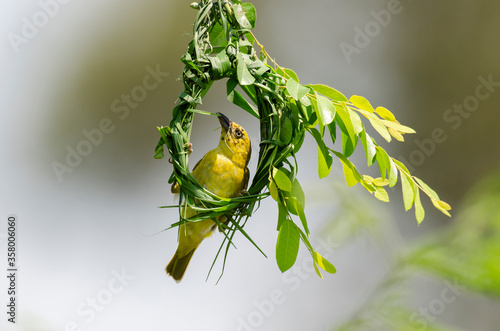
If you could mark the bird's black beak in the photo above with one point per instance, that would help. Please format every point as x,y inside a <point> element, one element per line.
<point>224,121</point>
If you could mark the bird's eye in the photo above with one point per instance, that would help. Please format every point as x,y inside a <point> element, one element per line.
<point>238,133</point>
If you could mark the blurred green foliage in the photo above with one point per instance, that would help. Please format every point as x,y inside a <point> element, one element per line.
<point>466,254</point>
<point>470,250</point>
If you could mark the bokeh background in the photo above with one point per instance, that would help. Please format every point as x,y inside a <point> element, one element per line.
<point>92,254</point>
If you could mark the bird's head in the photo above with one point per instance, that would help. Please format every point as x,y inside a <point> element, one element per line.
<point>234,141</point>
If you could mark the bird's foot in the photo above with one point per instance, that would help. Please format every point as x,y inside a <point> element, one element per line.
<point>189,148</point>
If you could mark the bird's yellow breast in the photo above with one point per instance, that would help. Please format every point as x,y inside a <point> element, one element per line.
<point>219,174</point>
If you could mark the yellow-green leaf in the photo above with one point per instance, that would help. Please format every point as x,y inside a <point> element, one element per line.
<point>350,178</point>
<point>427,190</point>
<point>419,210</point>
<point>408,191</point>
<point>385,114</point>
<point>317,270</point>
<point>282,181</point>
<point>297,193</point>
<point>398,136</point>
<point>325,162</point>
<point>273,190</point>
<point>398,127</point>
<point>369,147</point>
<point>325,159</point>
<point>381,194</point>
<point>442,206</point>
<point>361,103</point>
<point>380,182</point>
<point>356,121</point>
<point>323,263</point>
<point>392,173</point>
<point>381,128</point>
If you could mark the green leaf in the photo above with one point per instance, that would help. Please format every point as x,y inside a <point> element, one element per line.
<point>236,98</point>
<point>383,161</point>
<point>326,110</point>
<point>298,141</point>
<point>349,138</point>
<point>273,190</point>
<point>290,73</point>
<point>287,246</point>
<point>332,128</point>
<point>350,172</point>
<point>307,111</point>
<point>221,65</point>
<point>329,92</point>
<point>245,16</point>
<point>297,193</point>
<point>305,240</point>
<point>357,125</point>
<point>325,160</point>
<point>402,166</point>
<point>419,210</point>
<point>370,150</point>
<point>244,76</point>
<point>218,36</point>
<point>282,214</point>
<point>250,13</point>
<point>159,151</point>
<point>408,190</point>
<point>286,132</point>
<point>393,173</point>
<point>323,263</point>
<point>292,203</point>
<point>350,178</point>
<point>361,103</point>
<point>367,182</point>
<point>427,190</point>
<point>296,90</point>
<point>317,270</point>
<point>282,180</point>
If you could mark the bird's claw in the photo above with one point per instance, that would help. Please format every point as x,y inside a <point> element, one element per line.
<point>189,148</point>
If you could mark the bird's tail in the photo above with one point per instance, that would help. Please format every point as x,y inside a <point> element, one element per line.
<point>177,266</point>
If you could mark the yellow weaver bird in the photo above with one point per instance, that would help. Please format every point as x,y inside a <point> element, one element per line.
<point>222,171</point>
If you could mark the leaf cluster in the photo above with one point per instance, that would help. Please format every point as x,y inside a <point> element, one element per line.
<point>223,47</point>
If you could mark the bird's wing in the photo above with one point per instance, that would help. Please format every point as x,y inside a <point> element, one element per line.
<point>246,177</point>
<point>197,164</point>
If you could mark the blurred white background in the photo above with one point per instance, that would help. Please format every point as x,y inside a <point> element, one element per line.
<point>91,257</point>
